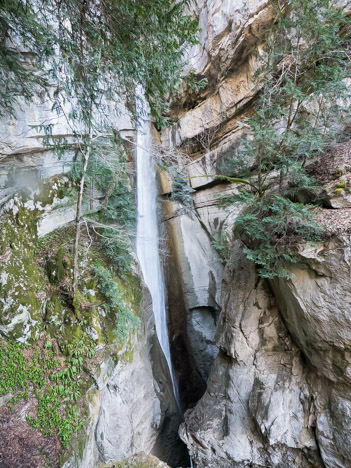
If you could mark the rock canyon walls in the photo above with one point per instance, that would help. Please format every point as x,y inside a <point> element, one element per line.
<point>262,366</point>
<point>278,391</point>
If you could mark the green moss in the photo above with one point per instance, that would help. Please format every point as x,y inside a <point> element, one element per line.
<point>132,290</point>
<point>70,333</point>
<point>60,269</point>
<point>55,383</point>
<point>128,356</point>
<point>57,187</point>
<point>43,292</point>
<point>78,302</point>
<point>22,280</point>
<point>116,304</point>
<point>53,308</point>
<point>91,283</point>
<point>342,184</point>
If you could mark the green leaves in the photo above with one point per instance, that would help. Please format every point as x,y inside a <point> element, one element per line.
<point>272,228</point>
<point>300,110</point>
<point>21,72</point>
<point>93,51</point>
<point>126,322</point>
<point>25,371</point>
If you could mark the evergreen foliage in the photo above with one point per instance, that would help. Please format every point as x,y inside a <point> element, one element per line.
<point>271,227</point>
<point>111,175</point>
<point>24,47</point>
<point>99,53</point>
<point>95,52</point>
<point>221,243</point>
<point>181,189</point>
<point>126,321</point>
<point>302,92</point>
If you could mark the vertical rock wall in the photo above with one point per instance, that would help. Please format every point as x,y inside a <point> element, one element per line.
<point>128,404</point>
<point>278,392</point>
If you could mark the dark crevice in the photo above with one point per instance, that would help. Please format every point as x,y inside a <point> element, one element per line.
<point>314,430</point>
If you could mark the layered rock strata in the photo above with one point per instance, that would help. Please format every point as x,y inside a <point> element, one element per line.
<point>278,392</point>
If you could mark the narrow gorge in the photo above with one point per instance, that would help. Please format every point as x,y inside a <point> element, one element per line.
<point>207,320</point>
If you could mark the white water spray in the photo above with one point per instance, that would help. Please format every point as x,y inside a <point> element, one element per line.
<point>148,233</point>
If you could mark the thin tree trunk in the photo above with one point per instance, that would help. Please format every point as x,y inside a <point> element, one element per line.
<point>79,208</point>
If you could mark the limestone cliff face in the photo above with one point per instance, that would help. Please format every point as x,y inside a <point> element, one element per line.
<point>208,127</point>
<point>278,391</point>
<point>263,367</point>
<point>257,410</point>
<point>126,403</point>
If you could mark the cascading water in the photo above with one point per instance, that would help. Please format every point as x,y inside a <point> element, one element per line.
<point>147,230</point>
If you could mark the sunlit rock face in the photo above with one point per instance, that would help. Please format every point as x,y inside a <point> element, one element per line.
<point>278,392</point>
<point>315,305</point>
<point>263,368</point>
<point>207,128</point>
<point>231,32</point>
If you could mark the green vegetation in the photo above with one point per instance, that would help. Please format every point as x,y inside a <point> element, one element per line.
<point>17,75</point>
<point>86,59</point>
<point>126,322</point>
<point>117,217</point>
<point>38,308</point>
<point>300,108</point>
<point>194,83</point>
<point>107,304</point>
<point>98,54</point>
<point>273,227</point>
<point>222,245</point>
<point>181,189</point>
<point>54,382</point>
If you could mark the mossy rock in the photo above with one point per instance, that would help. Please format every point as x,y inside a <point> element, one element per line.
<point>22,282</point>
<point>57,187</point>
<point>140,460</point>
<point>60,269</point>
<point>55,268</point>
<point>342,184</point>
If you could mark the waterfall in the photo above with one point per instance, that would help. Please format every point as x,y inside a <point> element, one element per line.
<point>148,232</point>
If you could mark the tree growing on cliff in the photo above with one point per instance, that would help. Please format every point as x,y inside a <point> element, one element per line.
<point>300,108</point>
<point>101,51</point>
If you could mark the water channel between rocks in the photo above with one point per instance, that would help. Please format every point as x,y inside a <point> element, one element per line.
<point>148,234</point>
